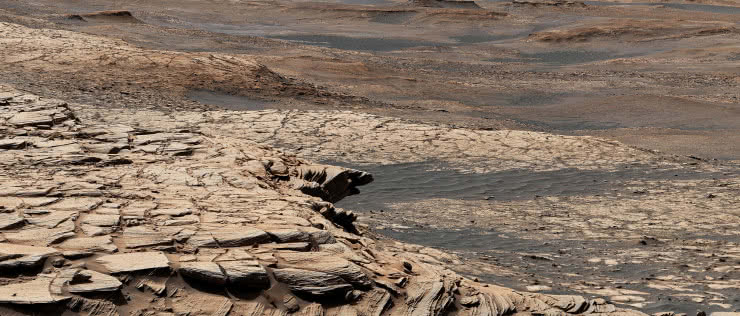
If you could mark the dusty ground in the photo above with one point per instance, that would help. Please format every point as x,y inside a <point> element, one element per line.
<point>560,147</point>
<point>660,77</point>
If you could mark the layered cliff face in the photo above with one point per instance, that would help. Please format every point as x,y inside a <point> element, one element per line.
<point>106,218</point>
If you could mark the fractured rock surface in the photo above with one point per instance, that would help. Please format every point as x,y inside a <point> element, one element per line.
<point>180,201</point>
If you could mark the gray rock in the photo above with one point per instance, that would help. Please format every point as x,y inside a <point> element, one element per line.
<point>207,272</point>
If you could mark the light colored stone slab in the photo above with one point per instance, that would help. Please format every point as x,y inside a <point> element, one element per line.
<point>135,261</point>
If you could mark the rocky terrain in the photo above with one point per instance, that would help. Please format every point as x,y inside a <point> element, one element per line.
<point>204,157</point>
<point>164,218</point>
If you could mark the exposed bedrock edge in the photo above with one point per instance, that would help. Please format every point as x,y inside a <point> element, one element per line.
<point>210,209</point>
<point>331,184</point>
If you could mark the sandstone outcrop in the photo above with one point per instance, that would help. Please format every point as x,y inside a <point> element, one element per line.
<point>176,208</point>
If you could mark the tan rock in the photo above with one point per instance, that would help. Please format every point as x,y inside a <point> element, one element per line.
<point>31,292</point>
<point>134,261</point>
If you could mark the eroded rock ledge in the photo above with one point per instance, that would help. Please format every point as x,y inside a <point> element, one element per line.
<point>104,219</point>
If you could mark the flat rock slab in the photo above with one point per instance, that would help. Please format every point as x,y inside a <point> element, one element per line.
<point>41,236</point>
<point>14,256</point>
<point>31,118</point>
<point>32,292</point>
<point>140,236</point>
<point>101,243</point>
<point>91,230</point>
<point>102,220</point>
<point>312,283</point>
<point>301,234</point>
<point>94,282</point>
<point>7,248</point>
<point>246,273</point>
<point>53,219</point>
<point>208,272</point>
<point>9,220</point>
<point>239,238</point>
<point>326,263</point>
<point>135,261</point>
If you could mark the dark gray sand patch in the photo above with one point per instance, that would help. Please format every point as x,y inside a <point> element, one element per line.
<point>366,2</point>
<point>680,6</point>
<point>573,124</point>
<point>563,57</point>
<point>529,98</point>
<point>560,260</point>
<point>583,112</point>
<point>419,181</point>
<point>568,57</point>
<point>475,38</point>
<point>227,101</point>
<point>566,261</point>
<point>393,17</point>
<point>545,61</point>
<point>376,44</point>
<point>511,60</point>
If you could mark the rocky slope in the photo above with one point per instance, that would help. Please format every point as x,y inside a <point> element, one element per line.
<point>100,218</point>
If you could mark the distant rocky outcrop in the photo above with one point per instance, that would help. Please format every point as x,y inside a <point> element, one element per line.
<point>545,3</point>
<point>452,4</point>
<point>117,16</point>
